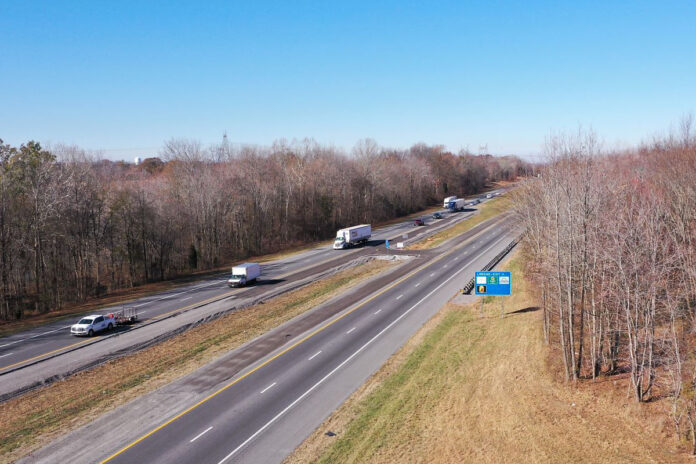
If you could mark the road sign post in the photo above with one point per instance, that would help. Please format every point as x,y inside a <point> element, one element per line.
<point>497,283</point>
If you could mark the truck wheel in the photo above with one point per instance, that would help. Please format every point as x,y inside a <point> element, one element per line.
<point>110,327</point>
<point>90,333</point>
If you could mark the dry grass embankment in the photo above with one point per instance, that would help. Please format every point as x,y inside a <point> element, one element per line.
<point>486,211</point>
<point>31,421</point>
<point>471,389</point>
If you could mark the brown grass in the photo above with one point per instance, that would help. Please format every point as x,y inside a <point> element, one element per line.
<point>31,421</point>
<point>480,390</point>
<point>487,210</point>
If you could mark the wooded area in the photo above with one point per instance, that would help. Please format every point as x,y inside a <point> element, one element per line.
<point>74,227</point>
<point>611,246</point>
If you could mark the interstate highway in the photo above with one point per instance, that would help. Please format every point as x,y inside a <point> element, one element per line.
<point>32,346</point>
<point>263,412</point>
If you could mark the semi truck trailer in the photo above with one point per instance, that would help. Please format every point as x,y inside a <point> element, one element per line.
<point>455,204</point>
<point>352,236</point>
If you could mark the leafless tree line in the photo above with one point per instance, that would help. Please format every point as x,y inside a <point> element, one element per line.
<point>73,227</point>
<point>611,247</point>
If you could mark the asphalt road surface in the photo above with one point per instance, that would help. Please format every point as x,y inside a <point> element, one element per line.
<point>263,412</point>
<point>33,346</point>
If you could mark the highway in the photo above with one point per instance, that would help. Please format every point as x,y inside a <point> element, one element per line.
<point>30,347</point>
<point>262,412</point>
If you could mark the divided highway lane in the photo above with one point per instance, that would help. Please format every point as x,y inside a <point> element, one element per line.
<point>262,414</point>
<point>28,347</point>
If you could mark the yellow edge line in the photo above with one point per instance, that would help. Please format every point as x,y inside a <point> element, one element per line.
<point>160,316</point>
<point>44,354</point>
<point>277,355</point>
<point>184,308</point>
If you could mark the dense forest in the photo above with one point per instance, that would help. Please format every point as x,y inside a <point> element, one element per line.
<point>73,226</point>
<point>611,245</point>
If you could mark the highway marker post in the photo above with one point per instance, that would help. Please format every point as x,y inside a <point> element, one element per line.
<point>494,283</point>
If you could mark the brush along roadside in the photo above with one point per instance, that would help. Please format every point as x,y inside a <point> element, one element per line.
<point>472,389</point>
<point>34,419</point>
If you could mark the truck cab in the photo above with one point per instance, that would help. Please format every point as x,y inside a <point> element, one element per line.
<point>339,243</point>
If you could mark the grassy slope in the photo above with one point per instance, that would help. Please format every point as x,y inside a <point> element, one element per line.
<point>468,389</point>
<point>487,210</point>
<point>33,419</point>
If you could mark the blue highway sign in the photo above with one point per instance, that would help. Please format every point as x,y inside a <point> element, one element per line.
<point>493,283</point>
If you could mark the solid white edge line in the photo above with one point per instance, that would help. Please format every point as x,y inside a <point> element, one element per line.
<point>201,434</point>
<point>268,387</point>
<point>348,359</point>
<point>314,355</point>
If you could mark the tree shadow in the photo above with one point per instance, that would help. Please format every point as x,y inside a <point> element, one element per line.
<point>528,309</point>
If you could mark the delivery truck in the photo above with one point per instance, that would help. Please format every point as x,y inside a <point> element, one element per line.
<point>352,236</point>
<point>243,274</point>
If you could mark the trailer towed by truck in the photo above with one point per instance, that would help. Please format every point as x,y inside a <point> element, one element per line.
<point>95,323</point>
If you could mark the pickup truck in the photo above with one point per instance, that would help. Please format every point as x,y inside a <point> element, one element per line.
<point>89,325</point>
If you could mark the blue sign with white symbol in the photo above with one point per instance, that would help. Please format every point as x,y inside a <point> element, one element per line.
<point>493,283</point>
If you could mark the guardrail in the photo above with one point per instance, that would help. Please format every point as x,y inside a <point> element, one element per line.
<point>491,264</point>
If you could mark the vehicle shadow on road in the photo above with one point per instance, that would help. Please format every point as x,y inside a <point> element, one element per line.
<point>258,283</point>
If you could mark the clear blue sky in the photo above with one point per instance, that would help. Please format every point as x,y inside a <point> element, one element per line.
<point>125,76</point>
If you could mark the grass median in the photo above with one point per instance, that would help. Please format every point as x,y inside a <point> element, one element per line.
<point>32,420</point>
<point>481,390</point>
<point>486,211</point>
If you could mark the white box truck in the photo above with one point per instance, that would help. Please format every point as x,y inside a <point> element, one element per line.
<point>351,236</point>
<point>243,274</point>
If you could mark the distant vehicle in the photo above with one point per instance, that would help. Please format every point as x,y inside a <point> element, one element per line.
<point>447,201</point>
<point>243,274</point>
<point>352,236</point>
<point>457,204</point>
<point>90,325</point>
<point>437,215</point>
<point>490,195</point>
<point>418,222</point>
<point>475,201</point>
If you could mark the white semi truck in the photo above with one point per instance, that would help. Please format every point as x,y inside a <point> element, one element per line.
<point>454,203</point>
<point>243,274</point>
<point>446,203</point>
<point>352,236</point>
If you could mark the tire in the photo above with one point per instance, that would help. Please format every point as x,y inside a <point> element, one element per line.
<point>90,333</point>
<point>110,327</point>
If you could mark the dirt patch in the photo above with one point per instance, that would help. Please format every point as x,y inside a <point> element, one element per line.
<point>33,420</point>
<point>478,389</point>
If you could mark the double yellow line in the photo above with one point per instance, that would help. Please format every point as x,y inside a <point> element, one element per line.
<point>302,340</point>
